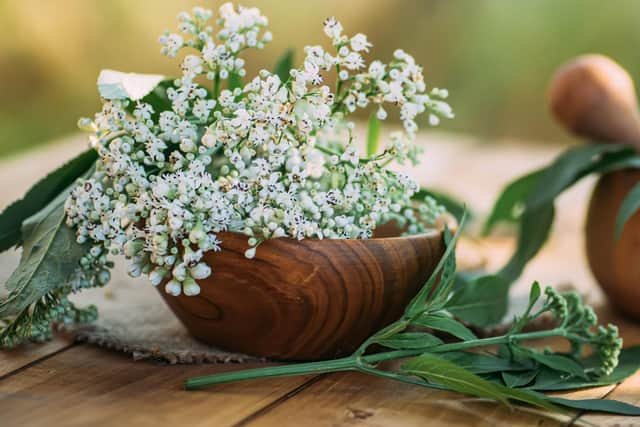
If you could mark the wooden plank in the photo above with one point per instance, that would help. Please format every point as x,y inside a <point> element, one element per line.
<point>347,399</point>
<point>629,390</point>
<point>22,356</point>
<point>90,386</point>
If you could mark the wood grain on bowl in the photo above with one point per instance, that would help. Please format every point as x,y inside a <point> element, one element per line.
<point>305,300</point>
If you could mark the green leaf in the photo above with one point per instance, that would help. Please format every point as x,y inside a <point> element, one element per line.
<point>482,301</point>
<point>535,227</point>
<point>235,80</point>
<point>373,135</point>
<point>410,340</point>
<point>628,364</point>
<point>284,65</point>
<point>443,323</point>
<point>568,168</point>
<point>518,379</point>
<point>483,363</point>
<point>454,206</point>
<point>534,294</point>
<point>530,199</point>
<point>445,268</point>
<point>117,85</point>
<point>511,199</point>
<point>559,363</point>
<point>50,257</point>
<point>39,196</point>
<point>443,372</point>
<point>597,405</point>
<point>629,207</point>
<point>157,98</point>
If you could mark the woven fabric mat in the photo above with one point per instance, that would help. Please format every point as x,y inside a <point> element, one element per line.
<point>134,319</point>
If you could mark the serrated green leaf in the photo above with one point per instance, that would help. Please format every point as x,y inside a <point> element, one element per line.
<point>284,65</point>
<point>118,85</point>
<point>373,135</point>
<point>39,196</point>
<point>440,322</point>
<point>630,206</point>
<point>410,340</point>
<point>50,257</point>
<point>443,372</point>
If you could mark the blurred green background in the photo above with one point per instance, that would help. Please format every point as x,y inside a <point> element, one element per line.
<point>495,57</point>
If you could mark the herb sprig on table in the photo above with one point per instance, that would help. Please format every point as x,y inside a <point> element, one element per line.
<point>502,368</point>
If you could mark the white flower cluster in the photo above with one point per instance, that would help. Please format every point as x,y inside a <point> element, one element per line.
<point>268,159</point>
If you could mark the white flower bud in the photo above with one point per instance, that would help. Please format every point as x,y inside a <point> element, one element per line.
<point>173,287</point>
<point>250,253</point>
<point>190,287</point>
<point>179,272</point>
<point>157,275</point>
<point>200,271</point>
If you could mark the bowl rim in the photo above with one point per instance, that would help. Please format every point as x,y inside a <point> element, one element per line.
<point>428,234</point>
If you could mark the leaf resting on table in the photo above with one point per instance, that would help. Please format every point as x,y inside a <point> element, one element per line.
<point>454,377</point>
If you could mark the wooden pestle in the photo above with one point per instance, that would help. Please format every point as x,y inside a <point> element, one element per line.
<point>594,97</point>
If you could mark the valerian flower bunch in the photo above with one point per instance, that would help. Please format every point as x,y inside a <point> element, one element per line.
<point>271,158</point>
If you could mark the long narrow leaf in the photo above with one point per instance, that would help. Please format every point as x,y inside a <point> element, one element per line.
<point>284,65</point>
<point>512,197</point>
<point>629,207</point>
<point>441,371</point>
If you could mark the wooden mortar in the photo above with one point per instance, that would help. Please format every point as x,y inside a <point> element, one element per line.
<point>594,97</point>
<point>308,299</point>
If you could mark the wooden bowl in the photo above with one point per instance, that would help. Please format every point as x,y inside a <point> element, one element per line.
<point>308,299</point>
<point>615,263</point>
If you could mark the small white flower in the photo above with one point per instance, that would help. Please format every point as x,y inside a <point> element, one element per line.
<point>359,43</point>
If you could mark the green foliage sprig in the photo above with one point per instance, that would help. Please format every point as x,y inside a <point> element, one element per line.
<point>528,202</point>
<point>507,370</point>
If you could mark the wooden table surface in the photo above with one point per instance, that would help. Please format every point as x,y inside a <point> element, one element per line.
<point>65,383</point>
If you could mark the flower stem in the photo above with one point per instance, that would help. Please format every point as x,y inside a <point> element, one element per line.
<point>356,362</point>
<point>337,365</point>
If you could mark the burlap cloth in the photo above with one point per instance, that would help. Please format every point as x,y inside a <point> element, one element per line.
<point>134,319</point>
